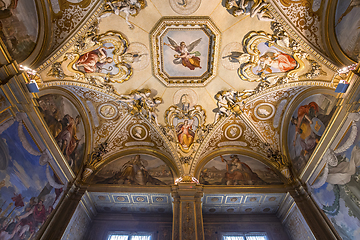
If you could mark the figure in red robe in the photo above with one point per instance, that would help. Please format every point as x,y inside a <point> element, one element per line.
<point>93,61</point>
<point>278,60</point>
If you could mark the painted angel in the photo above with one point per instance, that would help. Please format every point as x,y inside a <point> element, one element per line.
<point>184,55</point>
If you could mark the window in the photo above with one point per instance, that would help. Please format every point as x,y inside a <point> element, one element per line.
<point>245,236</point>
<point>129,236</point>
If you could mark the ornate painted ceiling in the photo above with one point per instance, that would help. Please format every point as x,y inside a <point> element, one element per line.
<point>143,92</point>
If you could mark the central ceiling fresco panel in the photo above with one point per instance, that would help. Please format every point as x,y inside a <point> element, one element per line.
<point>185,50</point>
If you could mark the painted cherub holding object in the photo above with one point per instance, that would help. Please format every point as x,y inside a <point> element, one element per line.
<point>185,55</point>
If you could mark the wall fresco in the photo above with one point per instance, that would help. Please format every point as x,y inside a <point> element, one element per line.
<point>306,127</point>
<point>347,29</point>
<point>66,126</point>
<point>135,170</point>
<point>337,189</point>
<point>19,27</point>
<point>29,190</point>
<point>237,170</point>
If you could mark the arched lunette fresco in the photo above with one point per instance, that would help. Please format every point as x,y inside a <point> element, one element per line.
<point>141,168</point>
<point>236,167</point>
<point>308,120</point>
<point>68,124</point>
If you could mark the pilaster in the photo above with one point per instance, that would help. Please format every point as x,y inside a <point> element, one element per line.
<point>187,212</point>
<point>64,213</point>
<point>315,219</point>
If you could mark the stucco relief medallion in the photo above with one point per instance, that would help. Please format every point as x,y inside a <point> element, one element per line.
<point>233,132</point>
<point>107,111</point>
<point>138,132</point>
<point>264,111</point>
<point>137,55</point>
<point>185,7</point>
<point>185,99</point>
<point>230,57</point>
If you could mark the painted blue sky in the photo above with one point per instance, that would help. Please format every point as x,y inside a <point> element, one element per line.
<point>23,175</point>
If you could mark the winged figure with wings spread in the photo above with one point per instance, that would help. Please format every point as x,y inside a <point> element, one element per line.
<point>185,55</point>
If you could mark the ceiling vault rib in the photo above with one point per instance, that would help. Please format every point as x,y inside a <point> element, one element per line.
<point>119,127</point>
<point>280,17</point>
<point>252,127</point>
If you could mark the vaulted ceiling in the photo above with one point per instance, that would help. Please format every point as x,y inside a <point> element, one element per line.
<point>230,89</point>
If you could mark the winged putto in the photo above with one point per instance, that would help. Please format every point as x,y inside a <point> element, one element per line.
<point>185,54</point>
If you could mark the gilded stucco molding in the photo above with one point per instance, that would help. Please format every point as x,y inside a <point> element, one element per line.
<point>68,18</point>
<point>77,84</point>
<point>247,140</point>
<point>167,35</point>
<point>68,42</point>
<point>308,46</point>
<point>290,85</point>
<point>122,138</point>
<point>177,119</point>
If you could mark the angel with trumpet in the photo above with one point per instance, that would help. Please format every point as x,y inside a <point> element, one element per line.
<point>184,55</point>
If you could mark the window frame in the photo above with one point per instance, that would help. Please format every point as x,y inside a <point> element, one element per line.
<point>243,234</point>
<point>130,234</point>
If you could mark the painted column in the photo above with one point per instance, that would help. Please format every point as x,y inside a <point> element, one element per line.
<point>187,212</point>
<point>315,219</point>
<point>64,213</point>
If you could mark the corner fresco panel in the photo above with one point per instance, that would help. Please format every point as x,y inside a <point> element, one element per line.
<point>237,170</point>
<point>66,126</point>
<point>19,27</point>
<point>135,170</point>
<point>337,190</point>
<point>306,127</point>
<point>29,189</point>
<point>347,22</point>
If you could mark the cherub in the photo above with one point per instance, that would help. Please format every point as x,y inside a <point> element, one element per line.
<point>118,6</point>
<point>151,106</point>
<point>185,56</point>
<point>223,106</point>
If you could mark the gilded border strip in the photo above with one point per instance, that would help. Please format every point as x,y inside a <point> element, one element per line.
<point>308,46</point>
<point>70,42</point>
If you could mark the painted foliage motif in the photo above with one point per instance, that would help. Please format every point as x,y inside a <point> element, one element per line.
<point>135,170</point>
<point>337,191</point>
<point>66,126</point>
<point>347,27</point>
<point>29,189</point>
<point>237,170</point>
<point>19,27</point>
<point>306,127</point>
